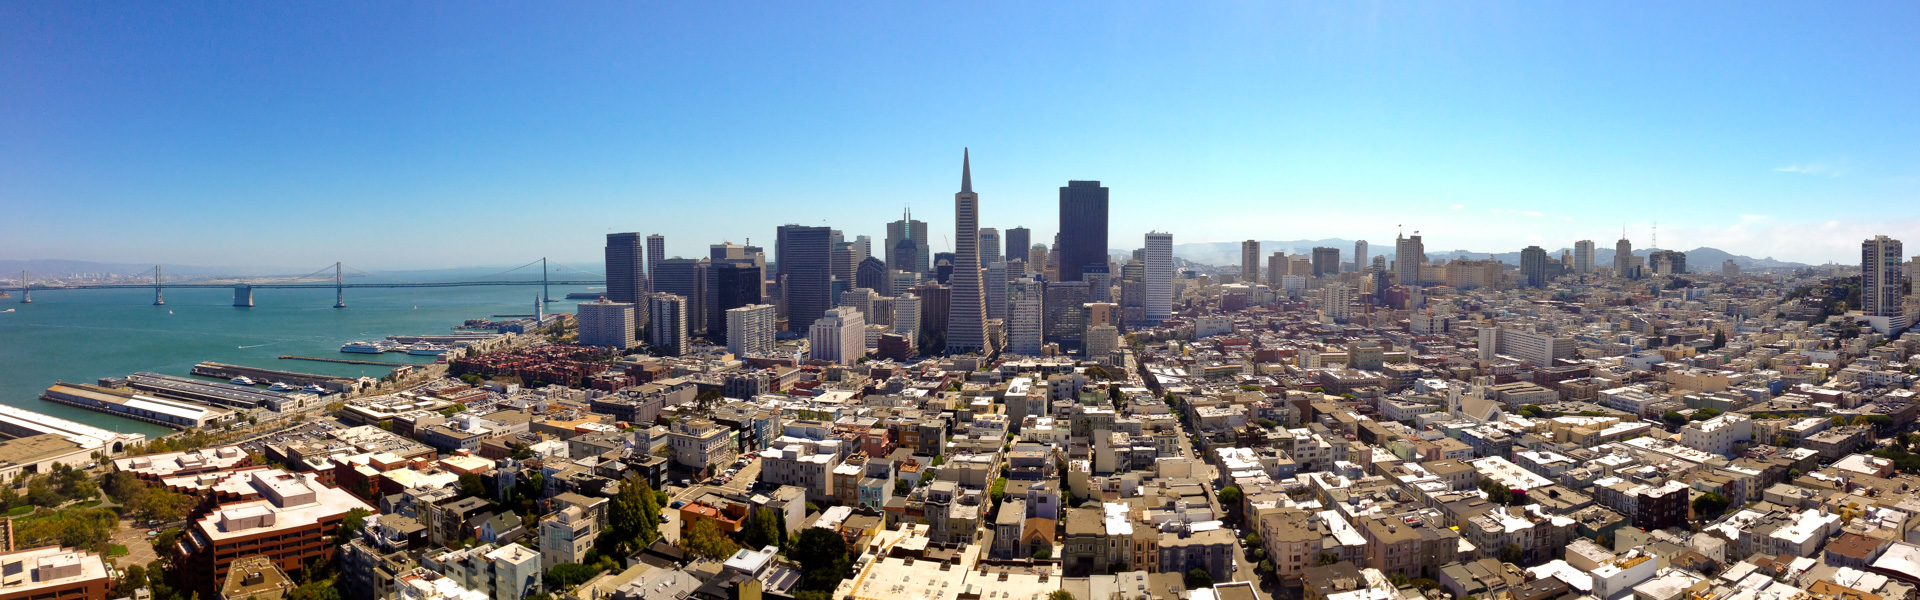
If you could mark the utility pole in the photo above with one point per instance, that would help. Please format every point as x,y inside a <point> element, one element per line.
<point>339,290</point>
<point>158,300</point>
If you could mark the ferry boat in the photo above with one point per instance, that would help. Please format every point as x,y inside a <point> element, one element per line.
<point>314,388</point>
<point>362,348</point>
<point>281,387</point>
<point>241,380</point>
<point>426,349</point>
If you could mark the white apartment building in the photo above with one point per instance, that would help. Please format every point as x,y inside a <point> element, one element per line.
<point>604,323</point>
<point>566,535</point>
<point>839,335</point>
<point>750,328</point>
<point>1718,434</point>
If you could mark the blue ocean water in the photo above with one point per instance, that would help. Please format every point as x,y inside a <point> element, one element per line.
<point>83,335</point>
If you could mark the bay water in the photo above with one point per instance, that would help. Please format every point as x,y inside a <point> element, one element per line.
<point>84,335</point>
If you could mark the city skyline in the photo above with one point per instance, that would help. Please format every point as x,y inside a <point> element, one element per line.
<point>1489,129</point>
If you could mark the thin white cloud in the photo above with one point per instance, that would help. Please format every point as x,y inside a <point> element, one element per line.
<point>1533,213</point>
<point>1459,206</point>
<point>1819,168</point>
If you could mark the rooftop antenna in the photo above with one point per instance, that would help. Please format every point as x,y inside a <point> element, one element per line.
<point>1656,234</point>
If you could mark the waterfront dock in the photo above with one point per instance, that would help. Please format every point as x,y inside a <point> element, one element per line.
<point>225,371</point>
<point>345,361</point>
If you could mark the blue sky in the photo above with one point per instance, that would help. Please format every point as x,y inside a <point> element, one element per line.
<point>414,135</point>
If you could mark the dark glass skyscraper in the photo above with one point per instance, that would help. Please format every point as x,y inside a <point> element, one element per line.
<point>1533,267</point>
<point>807,273</point>
<point>1083,228</point>
<point>627,273</point>
<point>1019,242</point>
<point>731,284</point>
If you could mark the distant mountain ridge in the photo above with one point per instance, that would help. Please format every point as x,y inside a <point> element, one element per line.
<point>1228,253</point>
<point>10,269</point>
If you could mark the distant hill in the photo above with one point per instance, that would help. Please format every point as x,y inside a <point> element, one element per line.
<point>1228,253</point>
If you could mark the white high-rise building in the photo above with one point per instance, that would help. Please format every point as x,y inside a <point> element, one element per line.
<point>989,245</point>
<point>750,329</point>
<point>1159,277</point>
<point>1360,255</point>
<point>604,323</point>
<point>1623,257</point>
<point>1336,302</point>
<point>906,317</point>
<point>967,310</point>
<point>839,336</point>
<point>1583,257</point>
<point>1024,309</point>
<point>668,334</point>
<point>1882,277</point>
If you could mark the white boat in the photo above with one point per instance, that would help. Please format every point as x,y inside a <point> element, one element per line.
<point>362,348</point>
<point>426,349</point>
<point>314,388</point>
<point>281,387</point>
<point>242,380</point>
<point>7,310</point>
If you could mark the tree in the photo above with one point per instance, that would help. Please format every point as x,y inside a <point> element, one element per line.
<point>999,489</point>
<point>1512,554</point>
<point>1719,340</point>
<point>705,539</point>
<point>472,486</point>
<point>1328,558</point>
<point>762,529</point>
<point>135,578</point>
<point>1060,595</point>
<point>564,576</point>
<point>1043,553</point>
<point>351,525</point>
<point>1709,504</point>
<point>633,518</point>
<point>1229,498</point>
<point>1198,578</point>
<point>1266,423</point>
<point>1674,418</point>
<point>823,557</point>
<point>453,410</point>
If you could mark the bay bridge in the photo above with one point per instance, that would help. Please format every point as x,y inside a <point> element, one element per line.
<point>243,291</point>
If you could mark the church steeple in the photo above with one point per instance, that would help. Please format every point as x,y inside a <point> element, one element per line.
<point>966,172</point>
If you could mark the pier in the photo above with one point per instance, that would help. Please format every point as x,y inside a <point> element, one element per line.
<point>346,361</point>
<point>225,371</point>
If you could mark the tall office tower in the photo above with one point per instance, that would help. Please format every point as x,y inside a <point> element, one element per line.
<point>626,269</point>
<point>1019,242</point>
<point>1533,267</point>
<point>1099,284</point>
<point>1065,316</point>
<point>1083,228</point>
<point>1380,283</point>
<point>1326,262</point>
<point>839,335</point>
<point>1731,269</point>
<point>1360,255</point>
<point>731,284</point>
<point>1025,336</point>
<point>913,233</point>
<point>1038,258</point>
<point>934,302</point>
<point>1409,254</point>
<point>1583,257</point>
<point>750,329</point>
<point>807,278</point>
<point>841,261</point>
<point>967,316</point>
<point>604,323</point>
<point>1881,277</point>
<point>668,336</point>
<point>874,275</point>
<point>996,283</point>
<point>989,245</point>
<point>906,317</point>
<point>1133,294</point>
<point>656,249</point>
<point>1102,342</point>
<point>1250,262</point>
<point>1159,277</point>
<point>1622,257</point>
<point>860,299</point>
<point>687,278</point>
<point>1276,269</point>
<point>862,248</point>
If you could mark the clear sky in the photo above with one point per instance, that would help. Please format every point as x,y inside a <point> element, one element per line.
<point>416,134</point>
